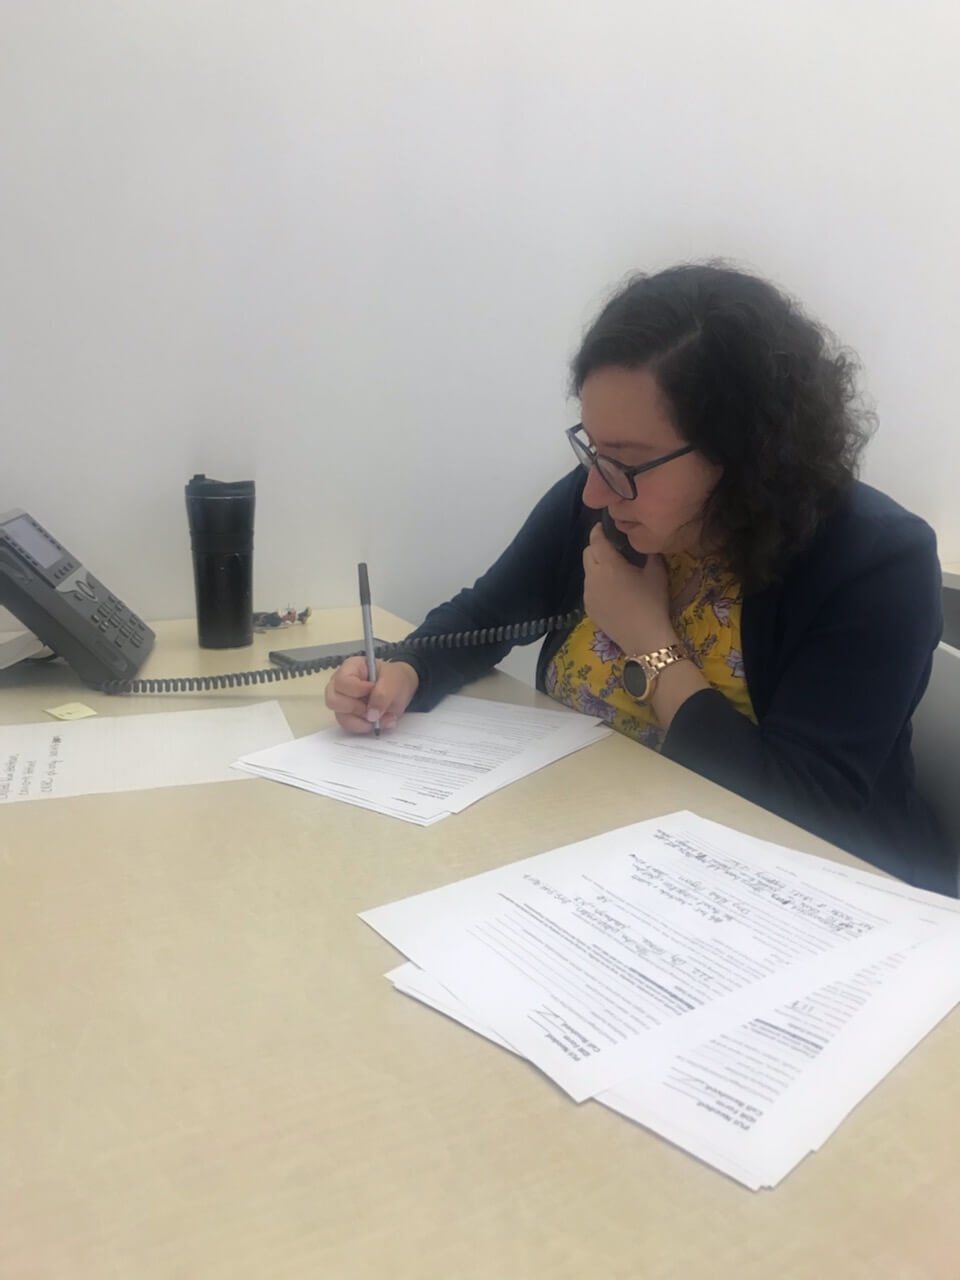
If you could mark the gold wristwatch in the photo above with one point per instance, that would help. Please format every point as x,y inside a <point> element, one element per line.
<point>640,671</point>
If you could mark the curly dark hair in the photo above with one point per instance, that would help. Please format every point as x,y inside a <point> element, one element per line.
<point>757,387</point>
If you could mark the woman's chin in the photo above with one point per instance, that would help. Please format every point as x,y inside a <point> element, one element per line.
<point>642,540</point>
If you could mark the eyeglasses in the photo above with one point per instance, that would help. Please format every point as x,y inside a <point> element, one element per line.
<point>615,475</point>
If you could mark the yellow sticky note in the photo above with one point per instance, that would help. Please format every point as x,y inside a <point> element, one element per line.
<point>71,711</point>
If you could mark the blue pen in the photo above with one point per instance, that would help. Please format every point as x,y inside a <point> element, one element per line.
<point>368,632</point>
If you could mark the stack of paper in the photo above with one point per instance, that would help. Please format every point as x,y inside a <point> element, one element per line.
<point>430,765</point>
<point>735,997</point>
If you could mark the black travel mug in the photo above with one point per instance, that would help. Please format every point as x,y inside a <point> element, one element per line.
<point>221,536</point>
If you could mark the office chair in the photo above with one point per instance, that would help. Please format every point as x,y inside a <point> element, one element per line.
<point>936,743</point>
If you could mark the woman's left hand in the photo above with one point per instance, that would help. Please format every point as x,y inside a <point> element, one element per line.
<point>631,605</point>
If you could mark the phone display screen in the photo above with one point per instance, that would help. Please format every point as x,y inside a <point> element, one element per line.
<point>25,535</point>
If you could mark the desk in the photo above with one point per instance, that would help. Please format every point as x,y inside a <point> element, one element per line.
<point>204,1074</point>
<point>951,575</point>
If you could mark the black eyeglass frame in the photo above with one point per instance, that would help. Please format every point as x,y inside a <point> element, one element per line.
<point>588,458</point>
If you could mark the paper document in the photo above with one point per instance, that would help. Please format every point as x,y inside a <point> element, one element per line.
<point>603,957</point>
<point>759,1098</point>
<point>756,1100</point>
<point>129,753</point>
<point>433,763</point>
<point>759,1095</point>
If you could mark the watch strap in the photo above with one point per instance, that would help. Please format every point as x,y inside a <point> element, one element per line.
<point>652,664</point>
<point>657,660</point>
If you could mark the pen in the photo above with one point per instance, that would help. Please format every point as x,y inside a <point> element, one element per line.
<point>368,632</point>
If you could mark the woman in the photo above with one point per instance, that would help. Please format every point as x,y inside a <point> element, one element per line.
<point>780,633</point>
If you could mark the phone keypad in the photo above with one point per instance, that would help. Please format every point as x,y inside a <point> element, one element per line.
<point>119,623</point>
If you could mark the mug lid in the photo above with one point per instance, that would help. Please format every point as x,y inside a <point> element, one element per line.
<point>201,487</point>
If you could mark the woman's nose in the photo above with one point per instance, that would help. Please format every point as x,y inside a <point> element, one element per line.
<point>596,492</point>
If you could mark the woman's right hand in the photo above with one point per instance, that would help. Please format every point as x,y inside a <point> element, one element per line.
<point>358,703</point>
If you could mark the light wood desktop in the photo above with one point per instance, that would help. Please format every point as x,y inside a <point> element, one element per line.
<point>205,1075</point>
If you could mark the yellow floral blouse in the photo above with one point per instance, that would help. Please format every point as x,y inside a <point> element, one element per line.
<point>705,603</point>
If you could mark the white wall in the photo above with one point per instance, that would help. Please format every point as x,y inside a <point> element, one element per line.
<point>346,247</point>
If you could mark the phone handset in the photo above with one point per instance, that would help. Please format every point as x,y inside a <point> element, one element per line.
<point>620,541</point>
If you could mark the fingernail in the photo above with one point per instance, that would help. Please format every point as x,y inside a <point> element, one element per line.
<point>373,714</point>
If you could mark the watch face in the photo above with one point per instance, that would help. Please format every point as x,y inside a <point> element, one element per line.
<point>635,679</point>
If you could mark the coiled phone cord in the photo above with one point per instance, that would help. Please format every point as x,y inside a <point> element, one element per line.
<point>270,675</point>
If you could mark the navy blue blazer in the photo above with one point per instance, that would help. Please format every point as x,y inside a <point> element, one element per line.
<point>836,655</point>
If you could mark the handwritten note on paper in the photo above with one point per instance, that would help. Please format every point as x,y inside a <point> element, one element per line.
<point>592,959</point>
<point>29,771</point>
<point>130,753</point>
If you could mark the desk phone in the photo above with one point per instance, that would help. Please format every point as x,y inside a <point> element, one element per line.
<point>75,615</point>
<point>65,606</point>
